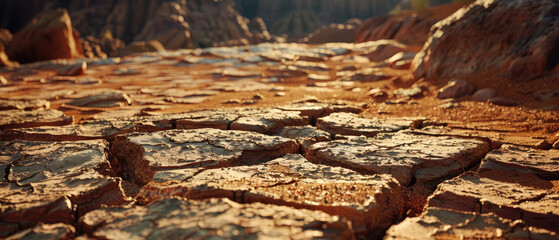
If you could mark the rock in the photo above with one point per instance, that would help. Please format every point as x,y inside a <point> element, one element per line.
<point>546,94</point>
<point>456,88</point>
<point>502,101</point>
<point>102,98</point>
<point>437,223</point>
<point>46,231</point>
<point>534,205</point>
<point>305,136</point>
<point>4,59</point>
<point>384,49</point>
<point>404,27</point>
<point>450,105</point>
<point>214,218</point>
<point>400,57</point>
<point>556,145</point>
<point>53,183</point>
<point>3,80</point>
<point>377,94</point>
<point>264,120</point>
<point>49,36</point>
<point>168,27</point>
<point>407,156</point>
<point>352,124</point>
<point>24,104</point>
<point>46,95</point>
<point>370,202</point>
<point>35,118</point>
<point>540,162</point>
<point>101,48</point>
<point>140,47</point>
<point>484,95</point>
<point>413,92</point>
<point>73,70</point>
<point>141,154</point>
<point>528,56</point>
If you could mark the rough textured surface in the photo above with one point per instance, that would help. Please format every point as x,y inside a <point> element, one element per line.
<point>370,202</point>
<point>445,224</point>
<point>58,231</point>
<point>408,157</point>
<point>101,98</point>
<point>510,199</point>
<point>315,110</point>
<point>24,119</point>
<point>140,154</point>
<point>176,218</point>
<point>544,163</point>
<point>24,104</point>
<point>264,120</point>
<point>305,136</point>
<point>352,124</point>
<point>456,88</point>
<point>50,36</point>
<point>523,51</point>
<point>53,183</point>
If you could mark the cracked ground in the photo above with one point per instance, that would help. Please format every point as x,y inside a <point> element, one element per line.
<point>278,141</point>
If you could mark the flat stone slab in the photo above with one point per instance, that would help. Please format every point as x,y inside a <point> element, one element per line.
<point>446,224</point>
<point>261,120</point>
<point>35,118</point>
<point>46,231</point>
<point>101,98</point>
<point>535,205</point>
<point>215,218</point>
<point>305,135</point>
<point>315,110</point>
<point>544,163</point>
<point>24,104</point>
<point>96,129</point>
<point>407,156</point>
<point>53,183</point>
<point>352,124</point>
<point>141,154</point>
<point>371,202</point>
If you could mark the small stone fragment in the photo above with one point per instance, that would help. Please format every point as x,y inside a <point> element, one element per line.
<point>214,218</point>
<point>102,98</point>
<point>73,70</point>
<point>410,92</point>
<point>456,88</point>
<point>484,95</point>
<point>142,154</point>
<point>35,118</point>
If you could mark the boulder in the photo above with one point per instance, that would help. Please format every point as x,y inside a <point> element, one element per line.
<point>334,33</point>
<point>485,94</point>
<point>525,48</point>
<point>49,36</point>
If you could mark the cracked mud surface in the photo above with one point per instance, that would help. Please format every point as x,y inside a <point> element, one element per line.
<point>285,142</point>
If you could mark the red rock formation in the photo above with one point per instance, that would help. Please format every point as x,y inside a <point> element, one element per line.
<point>49,36</point>
<point>511,40</point>
<point>408,27</point>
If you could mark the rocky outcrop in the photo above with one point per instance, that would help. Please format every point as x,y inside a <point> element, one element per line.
<point>169,27</point>
<point>334,33</point>
<point>524,49</point>
<point>49,36</point>
<point>407,27</point>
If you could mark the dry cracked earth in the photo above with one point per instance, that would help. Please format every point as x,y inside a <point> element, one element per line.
<point>280,141</point>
